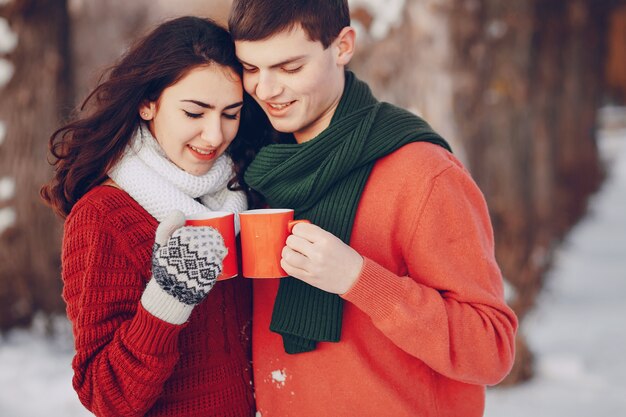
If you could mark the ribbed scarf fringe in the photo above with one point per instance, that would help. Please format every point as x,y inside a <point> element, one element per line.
<point>322,180</point>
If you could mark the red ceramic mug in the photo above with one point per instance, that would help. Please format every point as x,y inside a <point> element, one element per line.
<point>263,236</point>
<point>223,222</point>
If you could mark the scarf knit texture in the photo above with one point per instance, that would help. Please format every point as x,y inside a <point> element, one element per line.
<point>160,186</point>
<point>322,180</point>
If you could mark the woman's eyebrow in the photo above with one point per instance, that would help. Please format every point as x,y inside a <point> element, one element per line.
<point>210,106</point>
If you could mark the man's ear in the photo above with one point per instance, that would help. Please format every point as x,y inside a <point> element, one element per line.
<point>345,43</point>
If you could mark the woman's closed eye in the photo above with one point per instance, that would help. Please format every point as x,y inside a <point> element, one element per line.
<point>231,116</point>
<point>192,115</point>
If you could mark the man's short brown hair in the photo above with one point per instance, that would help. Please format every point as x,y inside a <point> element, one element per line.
<point>254,20</point>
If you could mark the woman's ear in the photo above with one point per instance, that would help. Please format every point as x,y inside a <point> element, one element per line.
<point>146,110</point>
<point>345,43</point>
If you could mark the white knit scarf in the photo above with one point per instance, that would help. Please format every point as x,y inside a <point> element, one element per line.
<point>160,187</point>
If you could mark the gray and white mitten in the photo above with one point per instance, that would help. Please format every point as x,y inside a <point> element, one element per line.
<point>186,262</point>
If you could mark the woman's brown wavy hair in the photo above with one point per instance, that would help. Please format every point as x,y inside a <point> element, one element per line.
<point>85,149</point>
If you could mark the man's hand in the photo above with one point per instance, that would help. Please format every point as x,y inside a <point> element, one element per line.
<point>321,259</point>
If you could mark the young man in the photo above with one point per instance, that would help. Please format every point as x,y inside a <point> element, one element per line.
<point>395,303</point>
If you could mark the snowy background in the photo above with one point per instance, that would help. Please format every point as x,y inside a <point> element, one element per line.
<point>577,330</point>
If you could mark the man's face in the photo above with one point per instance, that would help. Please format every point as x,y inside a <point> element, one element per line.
<point>296,81</point>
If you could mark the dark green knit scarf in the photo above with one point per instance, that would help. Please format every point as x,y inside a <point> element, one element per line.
<point>322,180</point>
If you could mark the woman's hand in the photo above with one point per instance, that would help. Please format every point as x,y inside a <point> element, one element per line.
<point>187,260</point>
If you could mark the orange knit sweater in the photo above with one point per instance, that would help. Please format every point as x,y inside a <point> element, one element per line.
<point>128,362</point>
<point>425,327</point>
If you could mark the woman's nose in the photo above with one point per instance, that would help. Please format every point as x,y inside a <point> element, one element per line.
<point>212,132</point>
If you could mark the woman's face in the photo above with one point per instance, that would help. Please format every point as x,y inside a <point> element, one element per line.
<point>195,119</point>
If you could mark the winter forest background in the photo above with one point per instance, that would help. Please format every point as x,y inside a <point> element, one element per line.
<point>523,89</point>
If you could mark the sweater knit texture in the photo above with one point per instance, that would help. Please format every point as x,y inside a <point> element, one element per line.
<point>425,326</point>
<point>128,362</point>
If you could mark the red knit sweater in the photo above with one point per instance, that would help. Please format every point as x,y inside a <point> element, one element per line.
<point>128,362</point>
<point>425,327</point>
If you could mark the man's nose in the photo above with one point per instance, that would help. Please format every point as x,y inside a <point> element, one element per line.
<point>267,87</point>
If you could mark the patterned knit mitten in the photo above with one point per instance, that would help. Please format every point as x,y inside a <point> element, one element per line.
<point>185,264</point>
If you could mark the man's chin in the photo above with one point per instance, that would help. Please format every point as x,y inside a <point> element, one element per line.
<point>281,126</point>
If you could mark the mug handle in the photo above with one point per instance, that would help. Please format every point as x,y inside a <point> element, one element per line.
<point>292,223</point>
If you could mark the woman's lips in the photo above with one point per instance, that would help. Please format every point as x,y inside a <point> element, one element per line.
<point>203,154</point>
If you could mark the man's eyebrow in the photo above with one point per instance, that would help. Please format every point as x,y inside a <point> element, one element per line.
<point>210,106</point>
<point>280,64</point>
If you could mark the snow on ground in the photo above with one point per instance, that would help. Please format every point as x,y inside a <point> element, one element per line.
<point>577,331</point>
<point>36,373</point>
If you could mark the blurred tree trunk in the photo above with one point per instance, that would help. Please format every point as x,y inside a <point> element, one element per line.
<point>529,125</point>
<point>616,66</point>
<point>34,100</point>
<point>39,96</point>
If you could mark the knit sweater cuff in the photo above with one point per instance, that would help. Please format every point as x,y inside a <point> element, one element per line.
<point>162,305</point>
<point>151,335</point>
<point>377,291</point>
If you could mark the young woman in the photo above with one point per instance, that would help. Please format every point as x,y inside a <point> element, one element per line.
<point>159,138</point>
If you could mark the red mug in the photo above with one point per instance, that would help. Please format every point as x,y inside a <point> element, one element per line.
<point>223,222</point>
<point>263,236</point>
